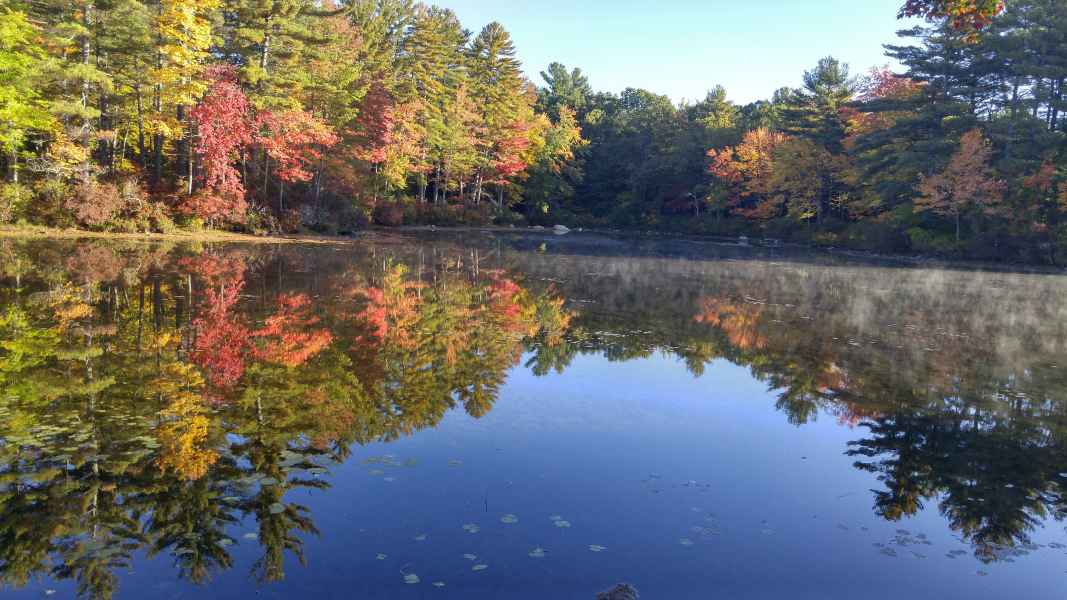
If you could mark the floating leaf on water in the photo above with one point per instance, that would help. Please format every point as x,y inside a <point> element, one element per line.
<point>421,537</point>
<point>470,557</point>
<point>276,508</point>
<point>685,542</point>
<point>509,519</point>
<point>597,548</point>
<point>439,584</point>
<point>537,553</point>
<point>251,536</point>
<point>563,524</point>
<point>381,556</point>
<point>479,567</point>
<point>411,579</point>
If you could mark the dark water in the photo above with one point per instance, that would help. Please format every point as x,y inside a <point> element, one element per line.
<point>472,417</point>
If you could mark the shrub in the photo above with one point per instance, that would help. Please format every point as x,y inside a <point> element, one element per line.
<point>289,221</point>
<point>389,214</point>
<point>94,204</point>
<point>509,217</point>
<point>49,203</point>
<point>260,221</point>
<point>931,242</point>
<point>13,200</point>
<point>351,218</point>
<point>873,235</point>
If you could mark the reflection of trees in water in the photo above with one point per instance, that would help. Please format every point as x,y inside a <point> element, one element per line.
<point>953,374</point>
<point>123,370</point>
<point>152,400</point>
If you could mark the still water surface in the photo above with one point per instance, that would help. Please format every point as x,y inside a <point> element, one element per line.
<point>475,416</point>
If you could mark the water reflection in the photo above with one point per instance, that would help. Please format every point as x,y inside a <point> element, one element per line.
<point>153,397</point>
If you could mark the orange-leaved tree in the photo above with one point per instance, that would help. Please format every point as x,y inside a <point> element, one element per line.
<point>968,184</point>
<point>745,169</point>
<point>966,15</point>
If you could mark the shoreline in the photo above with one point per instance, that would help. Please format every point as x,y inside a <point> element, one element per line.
<point>607,237</point>
<point>33,231</point>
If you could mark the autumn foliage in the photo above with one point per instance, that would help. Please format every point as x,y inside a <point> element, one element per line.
<point>964,14</point>
<point>967,185</point>
<point>747,167</point>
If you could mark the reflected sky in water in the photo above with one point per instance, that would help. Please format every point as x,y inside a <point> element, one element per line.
<point>476,416</point>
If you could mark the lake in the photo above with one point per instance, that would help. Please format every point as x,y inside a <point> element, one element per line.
<point>476,415</point>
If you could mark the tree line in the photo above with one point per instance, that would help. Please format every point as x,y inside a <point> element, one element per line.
<point>295,115</point>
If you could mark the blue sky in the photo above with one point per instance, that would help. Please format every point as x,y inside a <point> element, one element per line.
<point>682,48</point>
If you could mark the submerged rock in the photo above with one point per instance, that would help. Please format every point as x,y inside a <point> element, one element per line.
<point>623,591</point>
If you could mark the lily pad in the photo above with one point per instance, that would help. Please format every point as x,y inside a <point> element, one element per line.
<point>597,548</point>
<point>509,519</point>
<point>276,508</point>
<point>411,579</point>
<point>537,553</point>
<point>479,567</point>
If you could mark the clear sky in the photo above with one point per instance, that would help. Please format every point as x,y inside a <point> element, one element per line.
<point>682,48</point>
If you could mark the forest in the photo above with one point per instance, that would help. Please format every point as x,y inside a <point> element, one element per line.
<point>327,116</point>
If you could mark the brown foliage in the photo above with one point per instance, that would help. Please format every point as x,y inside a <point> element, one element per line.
<point>94,204</point>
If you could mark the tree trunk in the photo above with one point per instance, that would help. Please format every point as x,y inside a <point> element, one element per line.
<point>180,166</point>
<point>140,129</point>
<point>86,51</point>
<point>13,168</point>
